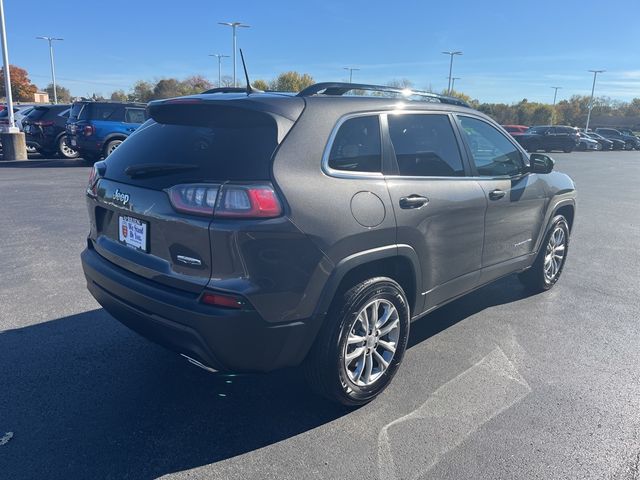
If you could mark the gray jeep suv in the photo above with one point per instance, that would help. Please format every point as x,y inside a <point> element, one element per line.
<point>255,231</point>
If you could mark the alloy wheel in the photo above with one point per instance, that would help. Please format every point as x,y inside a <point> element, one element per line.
<point>554,254</point>
<point>372,342</point>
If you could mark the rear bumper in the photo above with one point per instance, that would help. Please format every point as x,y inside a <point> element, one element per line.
<point>223,339</point>
<point>82,144</point>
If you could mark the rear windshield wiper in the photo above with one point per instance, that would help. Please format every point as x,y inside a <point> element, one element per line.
<point>155,169</point>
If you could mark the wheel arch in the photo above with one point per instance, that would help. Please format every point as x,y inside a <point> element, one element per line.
<point>398,262</point>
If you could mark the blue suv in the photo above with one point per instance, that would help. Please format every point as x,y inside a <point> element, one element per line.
<point>95,129</point>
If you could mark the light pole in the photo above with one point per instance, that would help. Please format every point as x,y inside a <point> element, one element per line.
<point>220,57</point>
<point>555,95</point>
<point>13,143</point>
<point>351,70</point>
<point>451,54</point>
<point>453,82</point>
<point>234,26</point>
<point>53,70</point>
<point>593,88</point>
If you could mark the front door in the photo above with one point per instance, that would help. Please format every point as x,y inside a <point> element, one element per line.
<point>516,200</point>
<point>439,209</point>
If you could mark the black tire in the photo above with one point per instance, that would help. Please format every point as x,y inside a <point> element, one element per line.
<point>534,278</point>
<point>569,149</point>
<point>325,365</point>
<point>64,150</point>
<point>111,146</point>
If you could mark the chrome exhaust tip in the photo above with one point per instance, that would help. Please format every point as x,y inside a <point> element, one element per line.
<point>199,364</point>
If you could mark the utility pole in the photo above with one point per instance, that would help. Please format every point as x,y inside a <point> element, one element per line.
<point>451,54</point>
<point>13,142</point>
<point>593,88</point>
<point>220,57</point>
<point>53,70</point>
<point>234,26</point>
<point>351,70</point>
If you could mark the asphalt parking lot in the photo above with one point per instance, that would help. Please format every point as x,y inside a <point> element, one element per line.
<point>498,384</point>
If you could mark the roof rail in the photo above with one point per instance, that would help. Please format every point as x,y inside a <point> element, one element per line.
<point>340,88</point>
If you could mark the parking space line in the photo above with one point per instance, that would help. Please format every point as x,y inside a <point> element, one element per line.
<point>452,413</point>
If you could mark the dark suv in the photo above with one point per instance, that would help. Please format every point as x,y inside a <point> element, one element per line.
<point>250,232</point>
<point>44,130</point>
<point>549,138</point>
<point>631,142</point>
<point>96,129</point>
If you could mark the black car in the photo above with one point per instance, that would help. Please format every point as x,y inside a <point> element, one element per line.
<point>631,142</point>
<point>44,130</point>
<point>255,231</point>
<point>550,138</point>
<point>607,144</point>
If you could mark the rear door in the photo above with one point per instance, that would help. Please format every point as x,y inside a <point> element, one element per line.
<point>516,199</point>
<point>439,209</point>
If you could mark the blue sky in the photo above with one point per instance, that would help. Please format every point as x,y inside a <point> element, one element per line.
<point>512,50</point>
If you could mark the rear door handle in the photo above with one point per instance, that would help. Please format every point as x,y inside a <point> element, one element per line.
<point>413,201</point>
<point>497,194</point>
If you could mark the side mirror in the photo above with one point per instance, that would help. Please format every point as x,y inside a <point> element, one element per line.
<point>541,163</point>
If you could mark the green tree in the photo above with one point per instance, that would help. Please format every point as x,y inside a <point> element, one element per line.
<point>142,92</point>
<point>291,82</point>
<point>64,95</point>
<point>195,84</point>
<point>119,96</point>
<point>167,88</point>
<point>261,84</point>
<point>22,89</point>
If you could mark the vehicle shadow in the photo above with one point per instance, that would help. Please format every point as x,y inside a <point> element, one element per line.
<point>87,398</point>
<point>43,163</point>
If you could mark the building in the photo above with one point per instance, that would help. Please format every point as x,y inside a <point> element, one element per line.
<point>41,97</point>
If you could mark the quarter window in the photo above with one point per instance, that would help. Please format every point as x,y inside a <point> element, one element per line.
<point>425,145</point>
<point>134,115</point>
<point>356,147</point>
<point>493,154</point>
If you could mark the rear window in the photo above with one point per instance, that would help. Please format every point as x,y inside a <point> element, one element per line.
<point>101,111</point>
<point>220,153</point>
<point>37,113</point>
<point>75,110</point>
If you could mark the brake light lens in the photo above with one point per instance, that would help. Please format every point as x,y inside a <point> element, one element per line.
<point>226,201</point>
<point>220,300</point>
<point>92,185</point>
<point>88,130</point>
<point>248,201</point>
<point>197,199</point>
<point>47,123</point>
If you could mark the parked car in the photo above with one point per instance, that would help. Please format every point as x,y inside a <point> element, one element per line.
<point>261,231</point>
<point>626,131</point>
<point>605,142</point>
<point>44,130</point>
<point>549,138</point>
<point>587,143</point>
<point>19,112</point>
<point>631,142</point>
<point>97,128</point>
<point>515,130</point>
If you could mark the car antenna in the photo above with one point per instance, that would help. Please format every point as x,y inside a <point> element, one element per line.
<point>250,89</point>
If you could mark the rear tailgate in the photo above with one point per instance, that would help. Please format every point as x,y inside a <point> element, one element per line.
<point>216,144</point>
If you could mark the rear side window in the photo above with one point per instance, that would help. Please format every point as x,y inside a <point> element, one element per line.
<point>425,145</point>
<point>356,146</point>
<point>134,115</point>
<point>100,111</point>
<point>493,154</point>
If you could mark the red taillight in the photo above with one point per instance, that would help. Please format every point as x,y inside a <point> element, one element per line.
<point>47,123</point>
<point>226,201</point>
<point>247,201</point>
<point>220,300</point>
<point>93,181</point>
<point>88,130</point>
<point>199,199</point>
